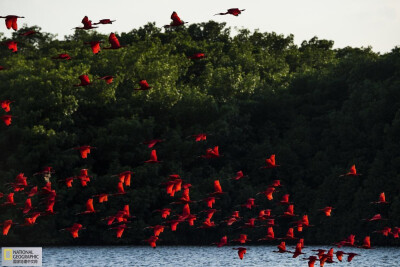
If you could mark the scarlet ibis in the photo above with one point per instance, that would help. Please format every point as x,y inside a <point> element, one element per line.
<point>281,248</point>
<point>114,42</point>
<point>74,229</point>
<point>327,211</point>
<point>174,224</point>
<point>311,261</point>
<point>33,191</point>
<point>276,183</point>
<point>5,104</point>
<point>222,242</point>
<point>289,212</point>
<point>153,157</point>
<point>268,192</point>
<point>270,163</point>
<point>385,231</point>
<point>84,80</point>
<point>241,252</point>
<point>152,241</point>
<point>270,234</point>
<point>217,189</point>
<point>249,203</point>
<point>28,206</point>
<point>84,177</point>
<point>366,243</point>
<point>104,21</point>
<point>87,24</point>
<point>230,221</point>
<point>382,199</point>
<point>28,33</point>
<point>285,200</point>
<point>63,56</point>
<point>125,177</point>
<point>95,45</point>
<point>297,251</point>
<point>103,197</point>
<point>12,45</point>
<point>348,242</point>
<point>143,86</point>
<point>120,188</point>
<point>376,217</point>
<point>89,207</point>
<point>31,220</point>
<point>11,21</point>
<point>176,21</point>
<point>396,232</point>
<point>9,200</point>
<point>157,229</point>
<point>164,212</point>
<point>84,150</point>
<point>352,172</point>
<point>207,224</point>
<point>120,229</point>
<point>210,201</point>
<point>7,119</point>
<point>350,256</point>
<point>152,143</point>
<point>250,223</point>
<point>289,234</point>
<point>232,11</point>
<point>108,78</point>
<point>197,56</point>
<point>242,239</point>
<point>339,255</point>
<point>7,225</point>
<point>200,137</point>
<point>239,175</point>
<point>20,183</point>
<point>211,153</point>
<point>264,214</point>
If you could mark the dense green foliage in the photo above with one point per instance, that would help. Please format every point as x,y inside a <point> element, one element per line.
<point>319,109</point>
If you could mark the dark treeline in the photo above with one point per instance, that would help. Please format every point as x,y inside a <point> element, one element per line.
<point>319,109</point>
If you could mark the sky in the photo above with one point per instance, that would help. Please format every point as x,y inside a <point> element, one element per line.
<point>356,23</point>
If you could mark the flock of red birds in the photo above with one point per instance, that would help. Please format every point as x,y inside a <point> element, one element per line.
<point>175,183</point>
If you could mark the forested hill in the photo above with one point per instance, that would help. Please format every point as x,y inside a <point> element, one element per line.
<point>318,109</point>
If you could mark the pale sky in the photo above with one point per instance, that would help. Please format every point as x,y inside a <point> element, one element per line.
<point>356,23</point>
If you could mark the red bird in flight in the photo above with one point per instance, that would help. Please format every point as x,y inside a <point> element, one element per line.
<point>6,119</point>
<point>95,45</point>
<point>176,21</point>
<point>197,56</point>
<point>64,56</point>
<point>84,80</point>
<point>153,157</point>
<point>5,104</point>
<point>352,172</point>
<point>232,11</point>
<point>84,150</point>
<point>12,45</point>
<point>114,42</point>
<point>104,21</point>
<point>108,79</point>
<point>270,162</point>
<point>143,86</point>
<point>241,252</point>
<point>87,24</point>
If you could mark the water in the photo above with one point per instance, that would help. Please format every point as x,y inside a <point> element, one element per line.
<point>189,256</point>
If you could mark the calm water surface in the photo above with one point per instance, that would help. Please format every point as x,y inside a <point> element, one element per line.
<point>205,256</point>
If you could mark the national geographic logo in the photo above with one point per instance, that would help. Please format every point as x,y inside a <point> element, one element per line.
<point>21,256</point>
